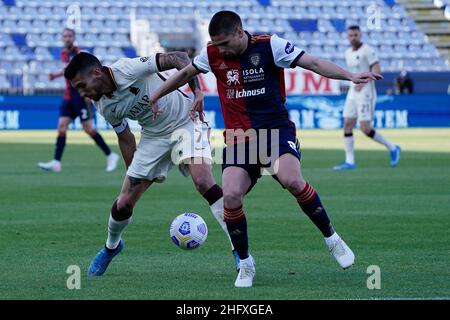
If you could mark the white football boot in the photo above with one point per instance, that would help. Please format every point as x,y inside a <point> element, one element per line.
<point>340,251</point>
<point>52,165</point>
<point>111,162</point>
<point>246,274</point>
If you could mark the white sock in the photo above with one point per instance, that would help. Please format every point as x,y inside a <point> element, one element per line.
<point>349,149</point>
<point>247,260</point>
<point>378,137</point>
<point>217,211</point>
<point>115,230</point>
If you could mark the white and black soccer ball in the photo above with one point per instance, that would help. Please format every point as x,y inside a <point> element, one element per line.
<point>188,231</point>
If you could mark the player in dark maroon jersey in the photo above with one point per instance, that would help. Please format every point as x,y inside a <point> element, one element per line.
<point>250,82</point>
<point>74,106</point>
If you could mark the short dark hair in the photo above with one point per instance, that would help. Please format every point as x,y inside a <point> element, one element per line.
<point>224,22</point>
<point>69,29</point>
<point>82,62</point>
<point>354,27</point>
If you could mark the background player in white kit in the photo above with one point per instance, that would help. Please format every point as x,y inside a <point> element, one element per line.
<point>178,135</point>
<point>361,99</point>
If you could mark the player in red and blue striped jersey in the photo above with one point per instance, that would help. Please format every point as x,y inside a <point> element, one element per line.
<point>250,81</point>
<point>74,106</point>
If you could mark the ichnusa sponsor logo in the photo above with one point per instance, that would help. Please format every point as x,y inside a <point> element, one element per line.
<point>250,93</point>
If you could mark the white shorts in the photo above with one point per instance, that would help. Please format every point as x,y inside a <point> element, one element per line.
<point>155,156</point>
<point>362,109</point>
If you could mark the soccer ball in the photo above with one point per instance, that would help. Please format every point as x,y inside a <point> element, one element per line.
<point>188,231</point>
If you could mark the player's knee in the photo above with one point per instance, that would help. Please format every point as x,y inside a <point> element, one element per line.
<point>122,209</point>
<point>295,186</point>
<point>348,128</point>
<point>232,198</point>
<point>367,131</point>
<point>202,183</point>
<point>62,129</point>
<point>90,130</point>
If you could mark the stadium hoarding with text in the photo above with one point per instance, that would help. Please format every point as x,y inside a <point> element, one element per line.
<point>306,111</point>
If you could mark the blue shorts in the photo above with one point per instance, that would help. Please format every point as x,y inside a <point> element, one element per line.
<point>256,154</point>
<point>76,107</point>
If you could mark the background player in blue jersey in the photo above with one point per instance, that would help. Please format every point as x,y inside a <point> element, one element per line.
<point>250,81</point>
<point>74,106</point>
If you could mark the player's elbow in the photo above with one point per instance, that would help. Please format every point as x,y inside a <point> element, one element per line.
<point>183,55</point>
<point>315,63</point>
<point>186,75</point>
<point>376,68</point>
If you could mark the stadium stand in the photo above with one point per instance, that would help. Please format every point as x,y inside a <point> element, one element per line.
<point>30,31</point>
<point>433,18</point>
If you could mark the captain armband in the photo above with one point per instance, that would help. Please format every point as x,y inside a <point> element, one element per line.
<point>121,127</point>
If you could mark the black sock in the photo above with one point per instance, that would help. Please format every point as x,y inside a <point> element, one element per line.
<point>101,143</point>
<point>59,149</point>
<point>237,229</point>
<point>310,203</point>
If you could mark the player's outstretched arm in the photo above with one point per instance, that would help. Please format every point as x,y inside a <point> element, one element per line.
<point>174,82</point>
<point>179,60</point>
<point>331,70</point>
<point>54,75</point>
<point>127,145</point>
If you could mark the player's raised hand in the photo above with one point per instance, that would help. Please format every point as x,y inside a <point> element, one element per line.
<point>155,109</point>
<point>197,108</point>
<point>365,77</point>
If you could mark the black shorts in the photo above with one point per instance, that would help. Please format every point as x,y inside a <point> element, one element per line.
<point>259,153</point>
<point>76,107</point>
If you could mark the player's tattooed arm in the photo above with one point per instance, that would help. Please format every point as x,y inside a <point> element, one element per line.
<point>177,60</point>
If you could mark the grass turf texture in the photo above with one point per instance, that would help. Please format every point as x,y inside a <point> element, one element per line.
<point>396,219</point>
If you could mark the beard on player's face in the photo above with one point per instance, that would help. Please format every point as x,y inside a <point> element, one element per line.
<point>68,39</point>
<point>354,38</point>
<point>96,90</point>
<point>90,87</point>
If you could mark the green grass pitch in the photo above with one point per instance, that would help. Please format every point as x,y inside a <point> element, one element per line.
<point>397,219</point>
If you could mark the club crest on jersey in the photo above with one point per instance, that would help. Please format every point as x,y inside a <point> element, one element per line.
<point>255,59</point>
<point>233,77</point>
<point>289,48</point>
<point>144,59</point>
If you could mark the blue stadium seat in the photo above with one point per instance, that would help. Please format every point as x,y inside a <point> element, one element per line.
<point>324,25</point>
<point>304,24</point>
<point>429,51</point>
<point>338,24</point>
<point>318,38</point>
<point>5,40</point>
<point>332,39</point>
<point>42,54</point>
